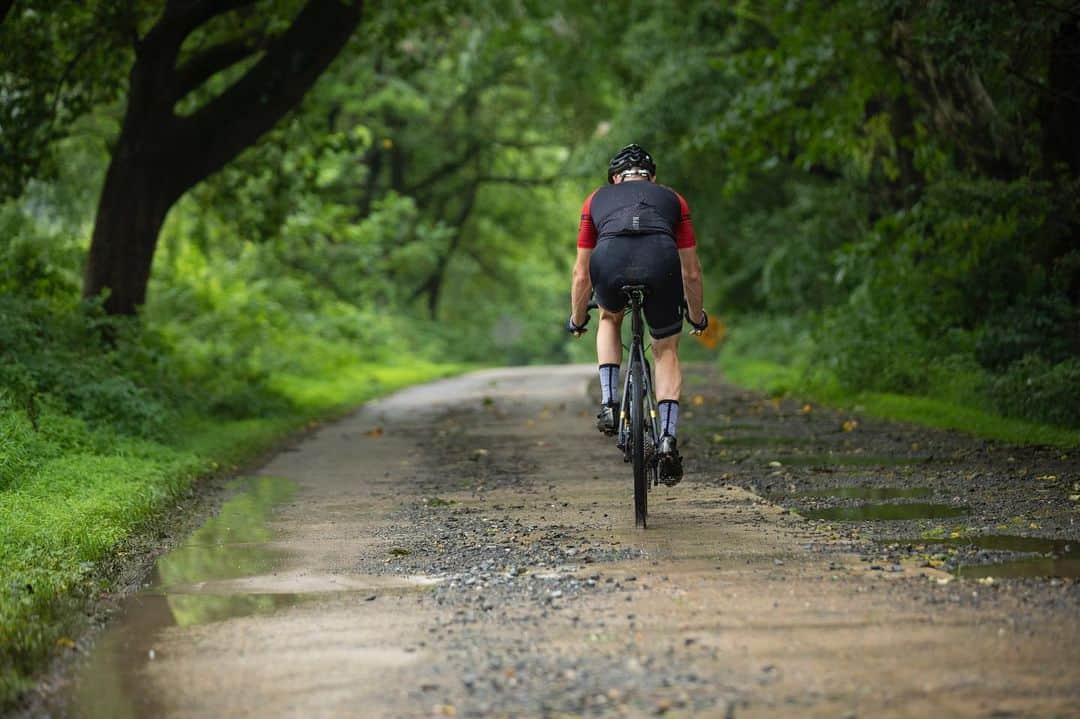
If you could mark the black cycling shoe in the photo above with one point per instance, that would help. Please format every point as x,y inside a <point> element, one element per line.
<point>670,461</point>
<point>606,418</point>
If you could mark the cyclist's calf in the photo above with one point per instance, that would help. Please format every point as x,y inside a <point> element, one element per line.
<point>608,337</point>
<point>668,371</point>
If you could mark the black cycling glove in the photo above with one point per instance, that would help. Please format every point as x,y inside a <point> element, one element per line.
<point>576,330</point>
<point>697,329</point>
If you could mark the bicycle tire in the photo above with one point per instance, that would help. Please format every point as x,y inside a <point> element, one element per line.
<point>637,445</point>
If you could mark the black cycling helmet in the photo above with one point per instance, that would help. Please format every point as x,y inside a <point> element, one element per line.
<point>632,155</point>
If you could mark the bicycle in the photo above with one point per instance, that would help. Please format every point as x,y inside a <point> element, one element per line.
<point>638,430</point>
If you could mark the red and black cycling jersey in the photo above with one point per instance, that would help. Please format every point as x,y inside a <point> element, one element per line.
<point>635,208</point>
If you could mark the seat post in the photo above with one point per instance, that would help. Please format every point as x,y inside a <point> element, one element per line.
<point>636,295</point>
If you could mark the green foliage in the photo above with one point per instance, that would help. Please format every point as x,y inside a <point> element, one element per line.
<point>776,356</point>
<point>1033,387</point>
<point>881,170</point>
<point>60,59</point>
<point>57,356</point>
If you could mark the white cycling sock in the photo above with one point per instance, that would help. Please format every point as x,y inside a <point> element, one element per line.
<point>669,416</point>
<point>609,380</point>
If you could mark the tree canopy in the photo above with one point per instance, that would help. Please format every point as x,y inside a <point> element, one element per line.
<point>897,178</point>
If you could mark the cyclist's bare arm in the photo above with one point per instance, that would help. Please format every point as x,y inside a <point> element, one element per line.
<point>691,278</point>
<point>581,286</point>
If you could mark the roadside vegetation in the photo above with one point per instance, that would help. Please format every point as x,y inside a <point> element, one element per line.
<point>196,258</point>
<point>96,444</point>
<point>887,196</point>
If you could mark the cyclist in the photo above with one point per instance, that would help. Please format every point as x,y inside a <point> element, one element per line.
<point>636,232</point>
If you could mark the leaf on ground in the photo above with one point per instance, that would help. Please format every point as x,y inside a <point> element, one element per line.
<point>400,552</point>
<point>849,425</point>
<point>374,432</point>
<point>697,400</point>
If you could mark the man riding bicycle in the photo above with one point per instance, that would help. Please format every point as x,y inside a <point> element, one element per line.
<point>635,232</point>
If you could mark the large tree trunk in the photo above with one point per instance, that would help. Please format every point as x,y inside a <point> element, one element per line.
<point>160,155</point>
<point>133,206</point>
<point>140,186</point>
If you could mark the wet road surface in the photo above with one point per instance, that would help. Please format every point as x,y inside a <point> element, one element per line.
<point>467,548</point>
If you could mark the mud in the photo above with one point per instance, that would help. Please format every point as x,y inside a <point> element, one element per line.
<point>468,548</point>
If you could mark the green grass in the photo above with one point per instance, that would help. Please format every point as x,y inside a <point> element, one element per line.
<point>71,495</point>
<point>777,379</point>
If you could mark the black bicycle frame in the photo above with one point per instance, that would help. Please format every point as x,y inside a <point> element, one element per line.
<point>636,297</point>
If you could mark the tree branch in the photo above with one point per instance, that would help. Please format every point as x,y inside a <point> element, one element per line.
<point>211,61</point>
<point>488,269</point>
<point>447,168</point>
<point>293,61</point>
<point>433,284</point>
<point>185,15</point>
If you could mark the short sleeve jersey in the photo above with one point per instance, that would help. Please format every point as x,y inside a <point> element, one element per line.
<point>635,208</point>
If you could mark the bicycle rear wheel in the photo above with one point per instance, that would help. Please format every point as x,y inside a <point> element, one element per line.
<point>637,443</point>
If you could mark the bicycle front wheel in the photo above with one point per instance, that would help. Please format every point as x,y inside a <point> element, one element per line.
<point>637,444</point>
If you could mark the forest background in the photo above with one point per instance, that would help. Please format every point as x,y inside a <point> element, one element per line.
<point>221,220</point>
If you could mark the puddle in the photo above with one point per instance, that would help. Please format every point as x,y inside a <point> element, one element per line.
<point>190,608</point>
<point>1069,548</point>
<point>230,545</point>
<point>885,512</point>
<point>869,492</point>
<point>1021,568</point>
<point>849,460</point>
<point>1061,556</point>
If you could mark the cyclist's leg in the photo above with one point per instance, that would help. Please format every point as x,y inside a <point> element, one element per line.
<point>668,371</point>
<point>663,312</point>
<point>605,267</point>
<point>608,338</point>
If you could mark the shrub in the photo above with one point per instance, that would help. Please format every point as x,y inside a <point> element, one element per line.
<point>1034,388</point>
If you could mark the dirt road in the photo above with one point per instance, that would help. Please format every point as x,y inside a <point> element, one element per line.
<point>468,548</point>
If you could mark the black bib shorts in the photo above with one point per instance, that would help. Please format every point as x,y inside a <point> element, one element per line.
<point>647,259</point>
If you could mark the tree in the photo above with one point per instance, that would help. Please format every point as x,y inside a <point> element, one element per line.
<point>60,58</point>
<point>161,153</point>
